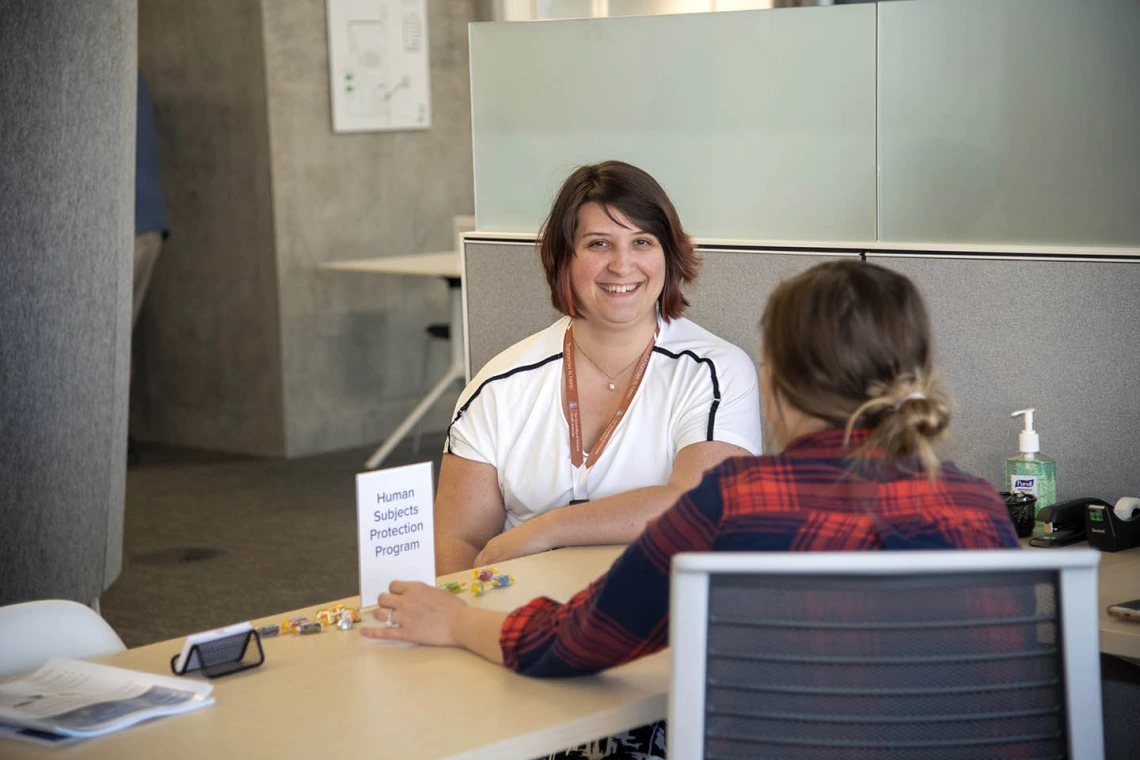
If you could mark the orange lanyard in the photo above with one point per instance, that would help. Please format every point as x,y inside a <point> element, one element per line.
<point>574,414</point>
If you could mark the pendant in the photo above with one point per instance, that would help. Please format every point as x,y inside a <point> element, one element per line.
<point>611,385</point>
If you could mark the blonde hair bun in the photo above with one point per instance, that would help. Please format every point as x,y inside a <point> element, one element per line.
<point>848,342</point>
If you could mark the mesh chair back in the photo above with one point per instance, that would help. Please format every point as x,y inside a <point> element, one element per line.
<point>922,666</point>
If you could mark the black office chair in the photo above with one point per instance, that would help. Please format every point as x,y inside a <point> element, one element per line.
<point>885,655</point>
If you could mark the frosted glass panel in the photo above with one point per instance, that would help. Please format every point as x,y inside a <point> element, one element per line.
<point>1010,122</point>
<point>759,124</point>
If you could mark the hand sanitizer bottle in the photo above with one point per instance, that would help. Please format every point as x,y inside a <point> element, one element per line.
<point>1031,471</point>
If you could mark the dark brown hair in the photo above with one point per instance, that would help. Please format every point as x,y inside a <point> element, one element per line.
<point>621,186</point>
<point>849,343</point>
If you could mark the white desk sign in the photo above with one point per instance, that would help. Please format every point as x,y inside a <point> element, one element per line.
<point>394,520</point>
<point>378,61</point>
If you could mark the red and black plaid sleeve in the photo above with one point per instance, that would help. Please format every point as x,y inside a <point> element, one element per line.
<point>624,614</point>
<point>810,498</point>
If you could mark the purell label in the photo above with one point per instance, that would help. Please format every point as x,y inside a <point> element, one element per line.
<point>1023,484</point>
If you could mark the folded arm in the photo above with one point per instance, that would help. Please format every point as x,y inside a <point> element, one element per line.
<point>616,519</point>
<point>619,617</point>
<point>469,512</point>
<point>624,614</point>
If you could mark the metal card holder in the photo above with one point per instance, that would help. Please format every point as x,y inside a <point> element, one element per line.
<point>223,656</point>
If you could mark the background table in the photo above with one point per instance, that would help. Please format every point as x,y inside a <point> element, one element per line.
<point>446,264</point>
<point>338,694</point>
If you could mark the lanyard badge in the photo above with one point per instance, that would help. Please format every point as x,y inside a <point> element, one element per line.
<point>578,457</point>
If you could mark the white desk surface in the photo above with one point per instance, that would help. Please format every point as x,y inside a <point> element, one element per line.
<point>337,692</point>
<point>439,264</point>
<point>1118,580</point>
<point>339,695</point>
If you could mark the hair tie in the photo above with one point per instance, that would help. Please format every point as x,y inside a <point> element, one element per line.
<point>912,396</point>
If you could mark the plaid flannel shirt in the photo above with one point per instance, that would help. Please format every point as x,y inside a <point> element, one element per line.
<point>811,497</point>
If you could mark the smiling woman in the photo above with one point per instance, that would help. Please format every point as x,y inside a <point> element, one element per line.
<point>585,431</point>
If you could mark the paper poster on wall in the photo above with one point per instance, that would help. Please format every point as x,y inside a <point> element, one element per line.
<point>395,526</point>
<point>378,60</point>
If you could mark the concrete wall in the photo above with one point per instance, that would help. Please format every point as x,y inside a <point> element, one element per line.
<point>67,149</point>
<point>245,345</point>
<point>207,347</point>
<point>351,345</point>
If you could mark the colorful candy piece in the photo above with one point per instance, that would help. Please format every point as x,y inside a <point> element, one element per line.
<point>344,623</point>
<point>288,626</point>
<point>308,628</point>
<point>329,615</point>
<point>484,574</point>
<point>268,631</point>
<point>484,578</point>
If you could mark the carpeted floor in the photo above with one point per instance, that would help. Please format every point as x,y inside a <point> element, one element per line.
<point>212,539</point>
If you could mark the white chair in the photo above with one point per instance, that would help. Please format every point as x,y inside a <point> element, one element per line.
<point>31,633</point>
<point>886,655</point>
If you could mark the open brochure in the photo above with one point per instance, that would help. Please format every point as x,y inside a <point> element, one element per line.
<point>68,699</point>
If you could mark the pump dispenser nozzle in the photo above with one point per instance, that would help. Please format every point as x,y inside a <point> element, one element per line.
<point>1029,442</point>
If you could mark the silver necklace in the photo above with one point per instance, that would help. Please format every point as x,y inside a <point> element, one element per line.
<point>608,376</point>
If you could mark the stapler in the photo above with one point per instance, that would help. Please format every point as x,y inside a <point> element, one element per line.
<point>1064,523</point>
<point>1113,529</point>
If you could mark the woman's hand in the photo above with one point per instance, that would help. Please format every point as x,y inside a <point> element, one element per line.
<point>424,614</point>
<point>419,613</point>
<point>527,538</point>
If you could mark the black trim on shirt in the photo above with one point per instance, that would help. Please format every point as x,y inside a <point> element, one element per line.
<point>516,370</point>
<point>712,376</point>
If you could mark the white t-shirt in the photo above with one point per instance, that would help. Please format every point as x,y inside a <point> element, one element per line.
<point>696,388</point>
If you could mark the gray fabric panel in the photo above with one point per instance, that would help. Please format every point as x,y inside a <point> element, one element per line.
<point>729,296</point>
<point>67,99</point>
<point>1058,336</point>
<point>507,296</point>
<point>1008,334</point>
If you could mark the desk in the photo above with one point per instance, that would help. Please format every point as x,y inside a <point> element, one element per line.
<point>1118,580</point>
<point>338,692</point>
<point>446,264</point>
<point>340,695</point>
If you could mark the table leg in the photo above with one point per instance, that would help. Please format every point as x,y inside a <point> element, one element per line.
<point>456,372</point>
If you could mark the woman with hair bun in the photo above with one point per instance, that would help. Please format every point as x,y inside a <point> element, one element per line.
<point>853,407</point>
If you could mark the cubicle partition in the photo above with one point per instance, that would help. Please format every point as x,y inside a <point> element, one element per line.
<point>1010,122</point>
<point>984,149</point>
<point>776,110</point>
<point>965,122</point>
<point>507,296</point>
<point>1010,331</point>
<point>1062,336</point>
